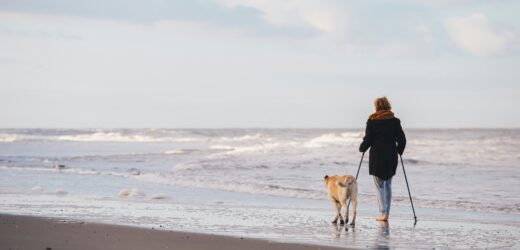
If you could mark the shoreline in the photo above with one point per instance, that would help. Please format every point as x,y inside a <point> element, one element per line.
<point>36,232</point>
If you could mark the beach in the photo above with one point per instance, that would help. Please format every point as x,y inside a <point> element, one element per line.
<point>251,186</point>
<point>303,224</point>
<point>225,124</point>
<point>26,232</point>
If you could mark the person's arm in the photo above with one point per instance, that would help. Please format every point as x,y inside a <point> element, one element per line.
<point>367,140</point>
<point>400,138</point>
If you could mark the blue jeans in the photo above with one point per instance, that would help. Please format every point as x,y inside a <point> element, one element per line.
<point>383,194</point>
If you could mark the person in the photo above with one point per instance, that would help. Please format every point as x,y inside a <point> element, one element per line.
<point>385,138</point>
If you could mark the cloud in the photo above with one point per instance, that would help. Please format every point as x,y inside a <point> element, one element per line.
<point>475,35</point>
<point>127,10</point>
<point>329,17</point>
<point>208,12</point>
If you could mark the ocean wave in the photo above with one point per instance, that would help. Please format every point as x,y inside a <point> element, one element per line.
<point>131,192</point>
<point>332,139</point>
<point>241,185</point>
<point>8,138</point>
<point>174,152</point>
<point>37,189</point>
<point>186,166</point>
<point>159,196</point>
<point>281,190</point>
<point>222,147</point>
<point>232,186</point>
<point>246,137</point>
<point>119,137</point>
<point>84,171</point>
<point>180,151</point>
<point>247,149</point>
<point>15,137</point>
<point>60,192</point>
<point>98,136</point>
<point>412,161</point>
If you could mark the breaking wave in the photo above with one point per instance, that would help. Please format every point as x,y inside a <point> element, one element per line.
<point>333,139</point>
<point>122,135</point>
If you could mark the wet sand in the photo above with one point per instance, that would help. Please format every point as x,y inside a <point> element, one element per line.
<point>29,232</point>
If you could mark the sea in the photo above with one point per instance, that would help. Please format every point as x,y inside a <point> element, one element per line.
<point>267,183</point>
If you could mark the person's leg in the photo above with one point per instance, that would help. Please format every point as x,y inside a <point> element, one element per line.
<point>388,196</point>
<point>380,195</point>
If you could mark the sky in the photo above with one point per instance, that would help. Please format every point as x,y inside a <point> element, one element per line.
<point>258,63</point>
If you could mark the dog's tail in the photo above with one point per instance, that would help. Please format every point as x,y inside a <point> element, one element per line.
<point>345,184</point>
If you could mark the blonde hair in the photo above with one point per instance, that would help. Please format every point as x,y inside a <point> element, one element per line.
<point>382,103</point>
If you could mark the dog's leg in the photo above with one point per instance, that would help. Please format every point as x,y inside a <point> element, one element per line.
<point>344,203</point>
<point>335,204</point>
<point>341,222</point>
<point>354,211</point>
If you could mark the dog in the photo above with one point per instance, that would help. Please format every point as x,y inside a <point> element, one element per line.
<point>339,189</point>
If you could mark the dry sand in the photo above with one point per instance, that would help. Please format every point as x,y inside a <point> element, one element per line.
<point>28,232</point>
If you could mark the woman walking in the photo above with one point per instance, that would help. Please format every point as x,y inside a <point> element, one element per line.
<point>385,138</point>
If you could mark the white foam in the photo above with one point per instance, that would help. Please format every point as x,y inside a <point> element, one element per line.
<point>180,151</point>
<point>37,189</point>
<point>222,147</point>
<point>8,138</point>
<point>124,192</point>
<point>60,192</point>
<point>70,170</point>
<point>108,137</point>
<point>131,192</point>
<point>159,196</point>
<point>98,136</point>
<point>175,152</point>
<point>241,138</point>
<point>232,186</point>
<point>234,150</point>
<point>186,166</point>
<point>334,139</point>
<point>119,137</point>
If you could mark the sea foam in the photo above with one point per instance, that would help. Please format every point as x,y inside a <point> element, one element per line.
<point>131,192</point>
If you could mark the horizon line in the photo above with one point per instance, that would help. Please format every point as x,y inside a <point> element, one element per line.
<point>264,128</point>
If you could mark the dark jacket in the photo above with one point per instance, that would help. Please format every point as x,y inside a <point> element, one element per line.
<point>386,139</point>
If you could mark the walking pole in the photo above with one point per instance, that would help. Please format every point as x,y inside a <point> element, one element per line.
<point>361,161</point>
<point>409,194</point>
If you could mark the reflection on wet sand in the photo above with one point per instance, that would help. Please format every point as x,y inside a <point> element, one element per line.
<point>349,232</point>
<point>382,239</point>
<point>338,229</point>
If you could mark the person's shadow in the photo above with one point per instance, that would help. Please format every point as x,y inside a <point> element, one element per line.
<point>383,237</point>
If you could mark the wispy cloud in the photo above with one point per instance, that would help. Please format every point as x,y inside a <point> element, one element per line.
<point>330,17</point>
<point>475,34</point>
<point>207,12</point>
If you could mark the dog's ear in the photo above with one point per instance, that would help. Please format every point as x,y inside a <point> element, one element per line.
<point>326,177</point>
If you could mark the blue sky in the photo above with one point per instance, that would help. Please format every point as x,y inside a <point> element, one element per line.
<point>252,63</point>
